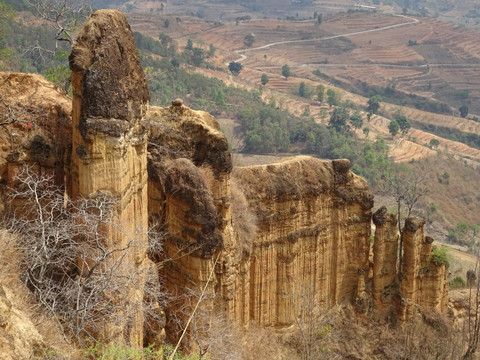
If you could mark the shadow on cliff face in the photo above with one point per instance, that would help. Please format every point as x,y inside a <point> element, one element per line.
<point>184,183</point>
<point>189,166</point>
<point>244,221</point>
<point>185,192</point>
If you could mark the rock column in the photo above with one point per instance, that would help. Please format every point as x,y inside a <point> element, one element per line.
<point>109,156</point>
<point>412,237</point>
<point>385,249</point>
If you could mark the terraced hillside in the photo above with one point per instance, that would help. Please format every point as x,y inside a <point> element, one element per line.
<point>434,60</point>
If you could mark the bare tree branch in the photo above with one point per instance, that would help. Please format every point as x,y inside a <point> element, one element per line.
<point>406,190</point>
<point>64,16</point>
<point>65,260</point>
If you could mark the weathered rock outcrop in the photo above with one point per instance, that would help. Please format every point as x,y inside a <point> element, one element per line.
<point>109,152</point>
<point>313,221</point>
<point>312,240</point>
<point>36,126</point>
<point>189,197</point>
<point>267,240</point>
<point>312,227</point>
<point>385,255</point>
<point>424,282</point>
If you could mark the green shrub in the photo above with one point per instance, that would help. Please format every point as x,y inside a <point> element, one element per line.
<point>440,255</point>
<point>168,350</point>
<point>101,351</point>
<point>457,282</point>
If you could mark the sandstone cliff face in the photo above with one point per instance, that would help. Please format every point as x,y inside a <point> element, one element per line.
<point>420,283</point>
<point>109,150</point>
<point>277,238</point>
<point>36,126</point>
<point>425,282</point>
<point>313,221</point>
<point>311,236</point>
<point>385,254</point>
<point>189,200</point>
<point>19,337</point>
<point>312,239</point>
<point>189,169</point>
<point>25,333</point>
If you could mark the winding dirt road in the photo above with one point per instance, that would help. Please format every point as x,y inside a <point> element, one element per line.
<point>243,56</point>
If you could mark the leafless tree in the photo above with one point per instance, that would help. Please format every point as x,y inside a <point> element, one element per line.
<point>406,190</point>
<point>306,319</point>
<point>210,332</point>
<point>67,262</point>
<point>202,327</point>
<point>65,16</point>
<point>313,335</point>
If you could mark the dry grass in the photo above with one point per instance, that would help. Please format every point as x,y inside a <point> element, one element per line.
<point>427,336</point>
<point>342,334</point>
<point>458,197</point>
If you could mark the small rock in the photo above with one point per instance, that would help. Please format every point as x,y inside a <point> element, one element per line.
<point>177,102</point>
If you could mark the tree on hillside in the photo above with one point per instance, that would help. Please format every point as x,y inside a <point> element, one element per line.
<point>249,39</point>
<point>356,120</point>
<point>65,260</point>
<point>198,55</point>
<point>189,45</point>
<point>235,68</point>
<point>332,97</point>
<point>463,111</point>
<point>320,93</point>
<point>319,18</point>
<point>403,123</point>
<point>286,71</point>
<point>6,14</point>
<point>434,143</point>
<point>302,90</point>
<point>264,79</point>
<point>393,127</point>
<point>165,39</point>
<point>374,104</point>
<point>211,50</point>
<point>366,131</point>
<point>339,118</point>
<point>218,97</point>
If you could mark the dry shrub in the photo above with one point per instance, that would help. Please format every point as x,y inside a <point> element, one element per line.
<point>186,182</point>
<point>261,343</point>
<point>429,335</point>
<point>208,176</point>
<point>9,269</point>
<point>244,220</point>
<point>53,344</point>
